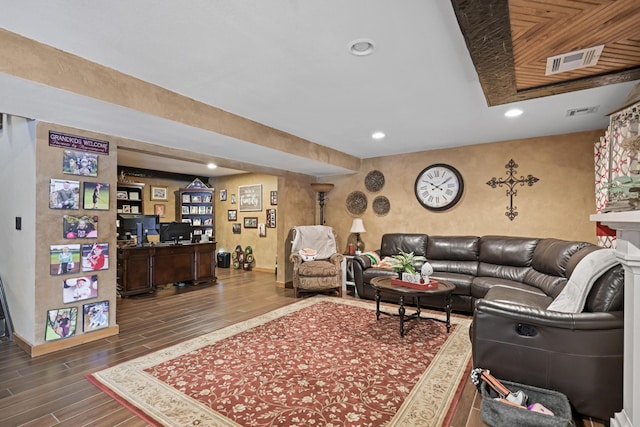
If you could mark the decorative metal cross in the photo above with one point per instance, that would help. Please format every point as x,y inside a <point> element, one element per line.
<point>511,182</point>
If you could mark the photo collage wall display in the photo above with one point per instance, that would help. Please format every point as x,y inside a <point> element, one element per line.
<point>78,259</point>
<point>250,201</point>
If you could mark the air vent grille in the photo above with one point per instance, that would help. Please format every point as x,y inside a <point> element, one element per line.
<point>573,60</point>
<point>582,111</point>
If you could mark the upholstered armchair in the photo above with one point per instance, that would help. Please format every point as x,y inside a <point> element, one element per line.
<point>322,274</point>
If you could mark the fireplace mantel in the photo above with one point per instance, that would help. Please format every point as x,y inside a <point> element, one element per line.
<point>627,226</point>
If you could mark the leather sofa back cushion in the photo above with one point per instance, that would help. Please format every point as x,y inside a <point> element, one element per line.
<point>507,251</point>
<point>552,255</point>
<point>456,248</point>
<point>607,293</point>
<point>393,243</point>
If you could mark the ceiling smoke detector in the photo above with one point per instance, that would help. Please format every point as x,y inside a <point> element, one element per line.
<point>573,60</point>
<point>361,47</point>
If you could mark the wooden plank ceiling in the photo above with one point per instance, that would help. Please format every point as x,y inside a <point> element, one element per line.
<point>510,41</point>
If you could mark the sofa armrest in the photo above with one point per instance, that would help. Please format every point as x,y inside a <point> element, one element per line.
<point>540,317</point>
<point>578,354</point>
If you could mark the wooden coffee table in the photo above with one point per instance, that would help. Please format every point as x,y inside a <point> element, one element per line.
<point>442,287</point>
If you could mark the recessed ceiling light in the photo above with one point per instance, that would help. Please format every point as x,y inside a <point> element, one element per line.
<point>378,135</point>
<point>361,47</point>
<point>211,166</point>
<point>515,112</point>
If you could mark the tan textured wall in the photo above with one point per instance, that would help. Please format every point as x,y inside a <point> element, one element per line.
<point>558,205</point>
<point>264,248</point>
<point>49,227</point>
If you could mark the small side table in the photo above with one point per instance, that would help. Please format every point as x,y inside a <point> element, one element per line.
<point>347,273</point>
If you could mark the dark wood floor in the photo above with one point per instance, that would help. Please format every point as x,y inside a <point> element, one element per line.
<point>51,390</point>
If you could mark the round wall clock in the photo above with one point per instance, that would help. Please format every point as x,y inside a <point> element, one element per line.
<point>438,187</point>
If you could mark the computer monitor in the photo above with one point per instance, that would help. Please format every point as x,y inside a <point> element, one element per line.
<point>127,223</point>
<point>175,231</point>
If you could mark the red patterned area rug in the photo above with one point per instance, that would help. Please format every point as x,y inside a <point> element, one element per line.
<point>321,361</point>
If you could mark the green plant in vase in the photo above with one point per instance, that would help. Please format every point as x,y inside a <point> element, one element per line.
<point>405,262</point>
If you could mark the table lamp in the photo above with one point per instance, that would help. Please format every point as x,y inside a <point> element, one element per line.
<point>358,227</point>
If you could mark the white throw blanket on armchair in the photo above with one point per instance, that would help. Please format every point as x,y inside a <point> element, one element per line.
<point>574,295</point>
<point>318,237</point>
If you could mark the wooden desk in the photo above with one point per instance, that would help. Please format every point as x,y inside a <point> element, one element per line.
<point>142,268</point>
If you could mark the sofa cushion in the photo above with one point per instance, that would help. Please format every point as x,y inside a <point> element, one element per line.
<point>527,297</point>
<point>462,281</point>
<point>504,250</point>
<point>457,254</point>
<point>318,269</point>
<point>393,243</point>
<point>552,255</point>
<point>481,285</point>
<point>550,285</point>
<point>372,272</point>
<point>455,248</point>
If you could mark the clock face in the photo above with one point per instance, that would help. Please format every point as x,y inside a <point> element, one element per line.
<point>439,187</point>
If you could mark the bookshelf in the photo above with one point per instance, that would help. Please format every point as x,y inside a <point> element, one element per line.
<point>129,198</point>
<point>195,205</point>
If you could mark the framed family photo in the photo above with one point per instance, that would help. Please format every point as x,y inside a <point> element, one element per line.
<point>64,259</point>
<point>64,194</point>
<point>80,227</point>
<point>96,196</point>
<point>61,323</point>
<point>79,163</point>
<point>79,288</point>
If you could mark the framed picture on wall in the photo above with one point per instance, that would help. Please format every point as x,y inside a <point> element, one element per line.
<point>96,196</point>
<point>79,288</point>
<point>223,195</point>
<point>95,315</point>
<point>80,227</point>
<point>235,227</point>
<point>158,193</point>
<point>271,218</point>
<point>251,222</point>
<point>95,257</point>
<point>250,198</point>
<point>64,259</point>
<point>273,198</point>
<point>61,323</point>
<point>232,215</point>
<point>64,194</point>
<point>79,163</point>
<point>262,230</point>
<point>159,210</point>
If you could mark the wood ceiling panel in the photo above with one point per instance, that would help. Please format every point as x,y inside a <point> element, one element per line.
<point>510,40</point>
<point>545,29</point>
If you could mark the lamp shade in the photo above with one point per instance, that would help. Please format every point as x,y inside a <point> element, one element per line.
<point>321,187</point>
<point>357,226</point>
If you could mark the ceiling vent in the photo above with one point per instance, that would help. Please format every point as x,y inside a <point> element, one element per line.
<point>582,111</point>
<point>573,60</point>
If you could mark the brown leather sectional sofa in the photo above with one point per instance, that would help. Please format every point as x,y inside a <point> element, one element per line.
<point>507,283</point>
